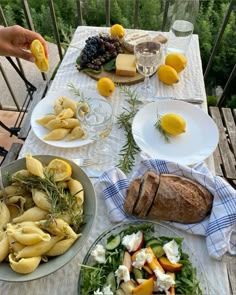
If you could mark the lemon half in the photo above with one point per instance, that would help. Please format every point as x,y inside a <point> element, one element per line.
<point>173,124</point>
<point>60,169</point>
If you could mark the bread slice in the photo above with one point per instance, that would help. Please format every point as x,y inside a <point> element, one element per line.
<point>132,195</point>
<point>146,194</point>
<point>180,199</point>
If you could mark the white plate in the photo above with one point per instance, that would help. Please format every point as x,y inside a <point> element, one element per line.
<point>195,145</point>
<point>44,107</point>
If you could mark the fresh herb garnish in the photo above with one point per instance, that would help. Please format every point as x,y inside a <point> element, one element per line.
<point>124,120</point>
<point>160,129</point>
<point>61,200</point>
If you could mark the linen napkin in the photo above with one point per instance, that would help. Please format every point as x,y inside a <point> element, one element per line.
<point>219,227</point>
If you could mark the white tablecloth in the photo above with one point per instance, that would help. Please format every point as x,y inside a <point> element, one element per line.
<point>191,84</point>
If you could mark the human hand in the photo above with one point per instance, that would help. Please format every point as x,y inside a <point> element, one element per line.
<point>15,40</point>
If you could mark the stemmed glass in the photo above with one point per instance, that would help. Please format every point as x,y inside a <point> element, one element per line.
<point>97,125</point>
<point>148,56</point>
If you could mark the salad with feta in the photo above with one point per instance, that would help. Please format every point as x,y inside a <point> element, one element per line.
<point>137,261</point>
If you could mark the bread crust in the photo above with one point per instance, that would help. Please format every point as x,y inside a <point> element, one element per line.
<point>146,194</point>
<point>132,195</point>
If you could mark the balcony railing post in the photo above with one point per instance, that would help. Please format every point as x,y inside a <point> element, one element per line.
<point>27,14</point>
<point>2,16</point>
<point>136,13</point>
<point>108,10</point>
<point>227,86</point>
<point>167,3</point>
<point>56,32</point>
<point>218,39</point>
<point>79,11</point>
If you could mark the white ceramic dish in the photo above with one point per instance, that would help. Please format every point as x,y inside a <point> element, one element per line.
<point>55,263</point>
<point>44,107</point>
<point>195,145</point>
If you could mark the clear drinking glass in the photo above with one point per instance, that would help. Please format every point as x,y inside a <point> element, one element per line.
<point>148,56</point>
<point>182,25</point>
<point>97,125</point>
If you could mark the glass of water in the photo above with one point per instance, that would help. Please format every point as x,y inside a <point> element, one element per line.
<point>148,56</point>
<point>96,122</point>
<point>182,25</point>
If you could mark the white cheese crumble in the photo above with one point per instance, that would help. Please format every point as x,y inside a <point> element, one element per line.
<point>122,273</point>
<point>105,291</point>
<point>99,254</point>
<point>131,242</point>
<point>140,259</point>
<point>171,250</point>
<point>164,281</point>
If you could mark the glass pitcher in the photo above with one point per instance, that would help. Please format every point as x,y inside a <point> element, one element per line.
<point>182,25</point>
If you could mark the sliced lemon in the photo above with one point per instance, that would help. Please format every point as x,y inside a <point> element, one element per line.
<point>60,169</point>
<point>173,124</point>
<point>38,52</point>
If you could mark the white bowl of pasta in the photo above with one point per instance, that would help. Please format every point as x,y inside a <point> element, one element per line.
<point>47,209</point>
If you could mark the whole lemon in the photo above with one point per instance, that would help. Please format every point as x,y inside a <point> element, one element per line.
<point>117,30</point>
<point>105,86</point>
<point>177,61</point>
<point>167,75</point>
<point>173,124</point>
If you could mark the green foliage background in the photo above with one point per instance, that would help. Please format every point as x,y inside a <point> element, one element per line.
<point>208,23</point>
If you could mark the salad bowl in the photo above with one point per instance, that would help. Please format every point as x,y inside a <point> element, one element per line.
<point>54,263</point>
<point>191,279</point>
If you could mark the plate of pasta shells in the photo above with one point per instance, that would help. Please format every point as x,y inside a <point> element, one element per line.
<point>47,209</point>
<point>54,121</point>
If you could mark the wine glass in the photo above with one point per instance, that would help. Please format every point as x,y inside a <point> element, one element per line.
<point>148,56</point>
<point>96,121</point>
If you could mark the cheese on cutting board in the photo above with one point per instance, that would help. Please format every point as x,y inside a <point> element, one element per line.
<point>131,39</point>
<point>125,65</point>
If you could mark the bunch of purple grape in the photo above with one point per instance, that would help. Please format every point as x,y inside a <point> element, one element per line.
<point>99,50</point>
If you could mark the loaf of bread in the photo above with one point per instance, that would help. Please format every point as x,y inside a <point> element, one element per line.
<point>168,197</point>
<point>125,65</point>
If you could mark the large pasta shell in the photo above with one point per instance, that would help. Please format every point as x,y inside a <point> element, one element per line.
<point>32,214</point>
<point>4,246</point>
<point>34,166</point>
<point>41,199</point>
<point>57,134</point>
<point>24,265</point>
<point>4,215</point>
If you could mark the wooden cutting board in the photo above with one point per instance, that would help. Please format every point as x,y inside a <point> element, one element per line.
<point>115,78</point>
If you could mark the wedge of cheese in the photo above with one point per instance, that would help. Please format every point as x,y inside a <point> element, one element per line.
<point>125,65</point>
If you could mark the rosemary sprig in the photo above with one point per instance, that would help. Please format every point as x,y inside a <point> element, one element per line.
<point>77,92</point>
<point>160,129</point>
<point>124,120</point>
<point>61,200</point>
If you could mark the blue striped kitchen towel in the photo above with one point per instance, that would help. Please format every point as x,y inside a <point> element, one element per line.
<point>219,227</point>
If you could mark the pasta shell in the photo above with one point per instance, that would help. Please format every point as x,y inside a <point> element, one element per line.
<point>56,123</point>
<point>64,103</point>
<point>76,133</point>
<point>12,190</point>
<point>66,113</point>
<point>32,214</point>
<point>24,265</point>
<point>44,120</point>
<point>21,173</point>
<point>77,190</point>
<point>30,238</point>
<point>4,246</point>
<point>4,215</point>
<point>58,227</point>
<point>61,247</point>
<point>38,249</point>
<point>34,166</point>
<point>57,134</point>
<point>72,123</point>
<point>41,199</point>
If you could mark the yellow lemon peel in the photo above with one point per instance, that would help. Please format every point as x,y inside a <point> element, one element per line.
<point>38,52</point>
<point>60,169</point>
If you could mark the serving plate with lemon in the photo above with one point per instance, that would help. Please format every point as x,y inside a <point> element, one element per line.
<point>175,131</point>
